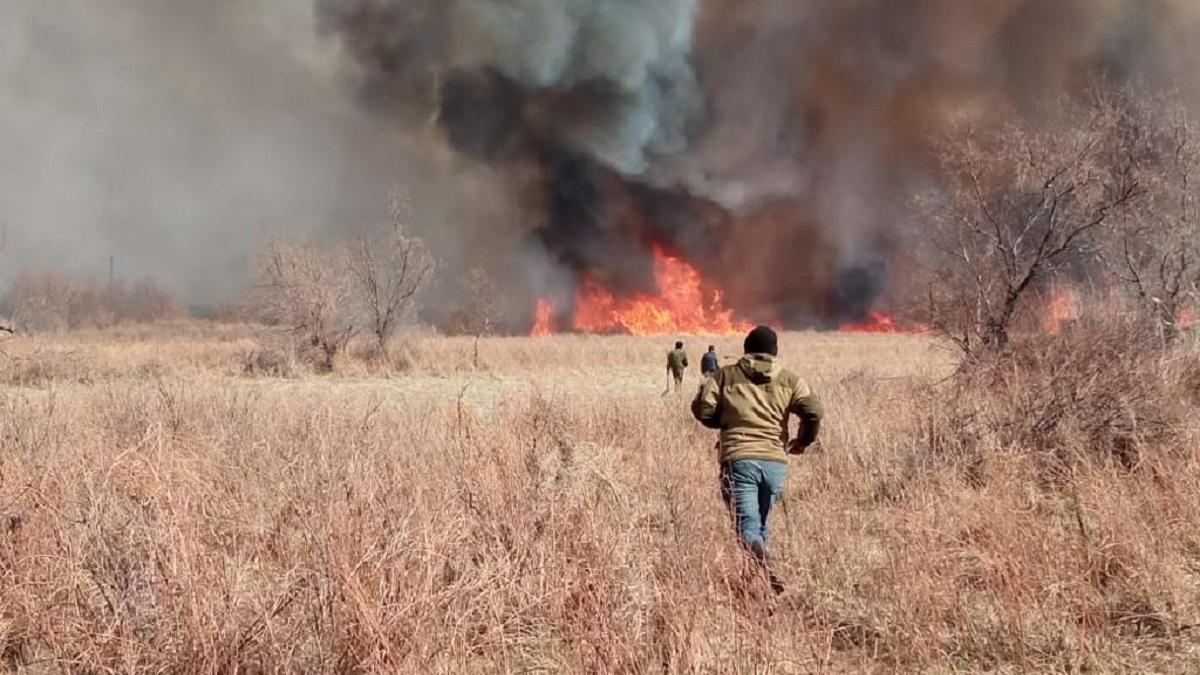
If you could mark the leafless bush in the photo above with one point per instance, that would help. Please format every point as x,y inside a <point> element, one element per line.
<point>1017,203</point>
<point>387,275</point>
<point>1100,391</point>
<point>43,367</point>
<point>41,302</point>
<point>327,296</point>
<point>1188,372</point>
<point>1154,249</point>
<point>481,308</point>
<point>48,302</point>
<point>308,291</point>
<point>146,300</point>
<point>276,361</point>
<point>232,312</point>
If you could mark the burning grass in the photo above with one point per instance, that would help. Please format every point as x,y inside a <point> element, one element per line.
<point>541,507</point>
<point>682,304</point>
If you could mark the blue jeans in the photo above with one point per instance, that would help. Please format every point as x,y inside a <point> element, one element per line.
<point>751,488</point>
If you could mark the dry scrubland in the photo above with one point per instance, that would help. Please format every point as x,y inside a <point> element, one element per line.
<point>524,505</point>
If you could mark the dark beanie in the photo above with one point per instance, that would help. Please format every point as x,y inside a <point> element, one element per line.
<point>762,340</point>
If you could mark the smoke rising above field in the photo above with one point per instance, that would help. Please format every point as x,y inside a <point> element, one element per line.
<point>770,142</point>
<point>173,135</point>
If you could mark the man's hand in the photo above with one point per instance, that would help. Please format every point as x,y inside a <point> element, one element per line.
<point>796,448</point>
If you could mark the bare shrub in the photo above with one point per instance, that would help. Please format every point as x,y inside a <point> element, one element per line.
<point>1098,392</point>
<point>1154,249</point>
<point>308,291</point>
<point>480,310</point>
<point>50,302</point>
<point>387,273</point>
<point>1187,370</point>
<point>1017,203</point>
<point>277,361</point>
<point>232,312</point>
<point>145,301</point>
<point>41,302</point>
<point>481,305</point>
<point>45,367</point>
<point>327,296</point>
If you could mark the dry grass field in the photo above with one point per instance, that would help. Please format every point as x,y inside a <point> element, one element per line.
<point>537,505</point>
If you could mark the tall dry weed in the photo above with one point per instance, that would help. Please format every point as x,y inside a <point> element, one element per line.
<point>565,520</point>
<point>1103,390</point>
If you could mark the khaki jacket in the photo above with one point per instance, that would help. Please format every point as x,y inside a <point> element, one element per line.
<point>751,403</point>
<point>677,362</point>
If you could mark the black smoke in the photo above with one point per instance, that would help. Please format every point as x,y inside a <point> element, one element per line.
<point>772,143</point>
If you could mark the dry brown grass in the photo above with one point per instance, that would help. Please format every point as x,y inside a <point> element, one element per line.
<point>539,506</point>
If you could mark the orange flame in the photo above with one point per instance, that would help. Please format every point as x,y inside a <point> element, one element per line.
<point>543,325</point>
<point>681,306</point>
<point>879,322</point>
<point>1186,318</point>
<point>1062,309</point>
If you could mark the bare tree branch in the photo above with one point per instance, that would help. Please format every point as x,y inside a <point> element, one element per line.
<point>389,272</point>
<point>1017,204</point>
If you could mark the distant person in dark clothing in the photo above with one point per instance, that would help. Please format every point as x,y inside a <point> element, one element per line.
<point>709,364</point>
<point>677,365</point>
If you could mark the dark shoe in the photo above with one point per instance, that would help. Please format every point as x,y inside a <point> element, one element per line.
<point>759,551</point>
<point>777,584</point>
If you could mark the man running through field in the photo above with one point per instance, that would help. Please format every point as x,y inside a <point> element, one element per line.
<point>751,403</point>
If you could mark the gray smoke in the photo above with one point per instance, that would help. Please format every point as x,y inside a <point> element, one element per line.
<point>639,51</point>
<point>610,79</point>
<point>778,132</point>
<point>173,135</point>
<point>772,142</point>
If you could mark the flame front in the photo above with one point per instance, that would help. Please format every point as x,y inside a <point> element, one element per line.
<point>1062,309</point>
<point>680,307</point>
<point>1186,318</point>
<point>543,325</point>
<point>879,322</point>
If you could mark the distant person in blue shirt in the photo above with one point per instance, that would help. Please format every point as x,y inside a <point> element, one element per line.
<point>709,364</point>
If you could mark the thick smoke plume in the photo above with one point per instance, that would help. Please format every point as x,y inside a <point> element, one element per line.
<point>770,142</point>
